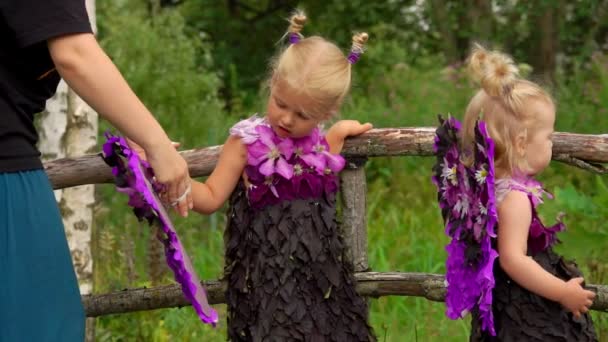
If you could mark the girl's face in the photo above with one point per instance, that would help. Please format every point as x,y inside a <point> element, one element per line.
<point>539,145</point>
<point>285,112</point>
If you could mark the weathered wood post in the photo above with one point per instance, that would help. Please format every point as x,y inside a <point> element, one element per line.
<point>353,190</point>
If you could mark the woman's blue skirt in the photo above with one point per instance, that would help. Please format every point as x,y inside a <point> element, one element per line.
<point>39,296</point>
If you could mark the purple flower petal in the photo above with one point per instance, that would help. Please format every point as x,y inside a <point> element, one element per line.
<point>315,160</point>
<point>334,161</point>
<point>257,152</point>
<point>267,135</point>
<point>245,129</point>
<point>286,147</point>
<point>284,169</point>
<point>267,168</point>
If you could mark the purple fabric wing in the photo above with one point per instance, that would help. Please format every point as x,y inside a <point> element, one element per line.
<point>134,177</point>
<point>468,205</point>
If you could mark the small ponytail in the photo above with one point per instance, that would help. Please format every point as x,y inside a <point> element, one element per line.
<point>357,48</point>
<point>296,23</point>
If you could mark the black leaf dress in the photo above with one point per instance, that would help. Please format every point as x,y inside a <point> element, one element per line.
<point>285,267</point>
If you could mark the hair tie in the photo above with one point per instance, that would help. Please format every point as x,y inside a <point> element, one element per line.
<point>294,38</point>
<point>354,55</point>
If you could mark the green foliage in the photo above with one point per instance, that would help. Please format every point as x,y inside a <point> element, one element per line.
<point>199,69</point>
<point>173,73</point>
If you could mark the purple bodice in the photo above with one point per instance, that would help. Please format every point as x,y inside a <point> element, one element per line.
<point>539,236</point>
<point>286,168</point>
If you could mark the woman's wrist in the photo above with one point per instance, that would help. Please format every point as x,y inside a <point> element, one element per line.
<point>153,139</point>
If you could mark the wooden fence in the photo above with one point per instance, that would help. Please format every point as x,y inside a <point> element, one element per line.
<point>584,151</point>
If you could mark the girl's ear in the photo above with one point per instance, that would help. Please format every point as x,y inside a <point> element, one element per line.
<point>521,143</point>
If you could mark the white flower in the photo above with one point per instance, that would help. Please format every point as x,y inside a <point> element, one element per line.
<point>483,210</point>
<point>462,206</point>
<point>450,173</point>
<point>481,175</point>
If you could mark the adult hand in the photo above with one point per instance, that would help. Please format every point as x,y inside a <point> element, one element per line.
<point>171,170</point>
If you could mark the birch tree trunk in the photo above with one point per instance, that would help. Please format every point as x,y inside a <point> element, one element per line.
<point>76,203</point>
<point>81,138</point>
<point>51,128</point>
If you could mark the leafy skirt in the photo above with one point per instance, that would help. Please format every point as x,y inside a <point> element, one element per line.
<point>287,276</point>
<point>520,315</point>
<point>39,296</point>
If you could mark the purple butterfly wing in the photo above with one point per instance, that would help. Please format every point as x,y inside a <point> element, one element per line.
<point>467,201</point>
<point>134,177</point>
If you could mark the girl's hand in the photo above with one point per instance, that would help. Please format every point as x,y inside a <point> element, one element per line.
<point>347,128</point>
<point>575,298</point>
<point>343,129</point>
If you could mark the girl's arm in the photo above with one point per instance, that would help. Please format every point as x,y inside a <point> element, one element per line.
<point>86,68</point>
<point>515,217</point>
<point>341,130</point>
<point>211,195</point>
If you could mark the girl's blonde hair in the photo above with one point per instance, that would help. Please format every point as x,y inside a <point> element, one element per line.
<point>502,103</point>
<point>316,68</point>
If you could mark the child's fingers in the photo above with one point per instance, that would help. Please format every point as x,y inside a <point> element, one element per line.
<point>176,144</point>
<point>590,294</point>
<point>365,127</point>
<point>578,280</point>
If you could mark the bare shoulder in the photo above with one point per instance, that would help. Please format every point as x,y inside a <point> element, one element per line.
<point>515,207</point>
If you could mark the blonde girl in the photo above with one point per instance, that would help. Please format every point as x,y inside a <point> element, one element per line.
<point>285,267</point>
<point>536,294</point>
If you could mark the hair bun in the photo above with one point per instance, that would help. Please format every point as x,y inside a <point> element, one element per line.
<point>494,70</point>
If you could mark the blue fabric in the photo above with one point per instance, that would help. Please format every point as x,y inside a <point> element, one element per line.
<point>39,296</point>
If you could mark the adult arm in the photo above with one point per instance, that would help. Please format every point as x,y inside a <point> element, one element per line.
<point>86,68</point>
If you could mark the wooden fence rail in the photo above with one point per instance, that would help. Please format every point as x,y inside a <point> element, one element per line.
<point>581,150</point>
<point>370,284</point>
<point>585,151</point>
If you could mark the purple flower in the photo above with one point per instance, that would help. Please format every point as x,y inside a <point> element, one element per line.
<point>541,237</point>
<point>314,150</point>
<point>270,152</point>
<point>281,169</point>
<point>245,129</point>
